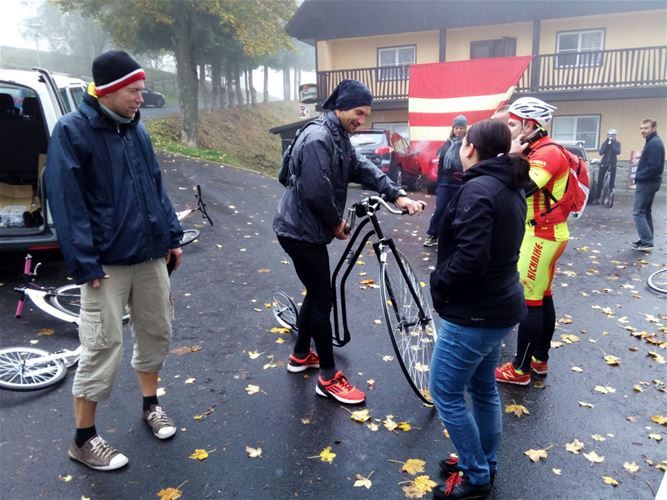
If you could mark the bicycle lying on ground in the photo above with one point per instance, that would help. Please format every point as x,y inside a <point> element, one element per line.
<point>657,281</point>
<point>407,308</point>
<point>29,368</point>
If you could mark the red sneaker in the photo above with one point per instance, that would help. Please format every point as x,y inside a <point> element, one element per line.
<point>539,367</point>
<point>507,374</point>
<point>296,365</point>
<point>340,389</point>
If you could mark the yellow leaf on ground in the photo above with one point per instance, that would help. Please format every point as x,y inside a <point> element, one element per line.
<point>659,419</point>
<point>404,426</point>
<point>657,437</point>
<point>577,369</point>
<point>252,389</point>
<point>604,389</point>
<point>185,349</point>
<point>326,455</point>
<point>569,338</point>
<point>363,481</point>
<point>280,329</point>
<point>65,477</point>
<point>190,380</point>
<point>280,340</point>
<point>657,357</point>
<point>598,437</point>
<point>360,416</point>
<point>254,354</point>
<point>199,454</point>
<point>263,270</point>
<point>161,391</point>
<point>586,405</point>
<point>367,282</point>
<point>536,455</point>
<point>253,452</point>
<point>574,447</point>
<point>424,483</point>
<point>169,494</point>
<point>593,457</point>
<point>413,466</point>
<point>637,388</point>
<point>46,331</point>
<point>518,410</point>
<point>389,423</point>
<point>202,416</point>
<point>610,480</point>
<point>387,358</point>
<point>558,472</point>
<point>631,467</point>
<point>373,426</point>
<point>612,360</point>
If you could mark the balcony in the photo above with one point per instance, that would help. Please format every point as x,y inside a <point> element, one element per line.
<point>639,72</point>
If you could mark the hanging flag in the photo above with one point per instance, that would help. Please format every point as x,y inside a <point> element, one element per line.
<point>440,91</point>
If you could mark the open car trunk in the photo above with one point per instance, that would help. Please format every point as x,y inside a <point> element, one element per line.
<point>23,144</point>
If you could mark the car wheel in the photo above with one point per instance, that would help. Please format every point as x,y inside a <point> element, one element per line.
<point>160,102</point>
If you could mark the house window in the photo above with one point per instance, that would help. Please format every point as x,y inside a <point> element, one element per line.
<point>501,47</point>
<point>574,129</point>
<point>578,48</point>
<point>393,62</point>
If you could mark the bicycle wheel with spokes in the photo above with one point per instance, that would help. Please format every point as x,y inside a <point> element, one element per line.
<point>285,311</point>
<point>657,281</point>
<point>16,373</point>
<point>407,310</point>
<point>68,300</point>
<point>607,194</point>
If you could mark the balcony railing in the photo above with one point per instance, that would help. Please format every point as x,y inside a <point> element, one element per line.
<point>568,71</point>
<point>599,69</point>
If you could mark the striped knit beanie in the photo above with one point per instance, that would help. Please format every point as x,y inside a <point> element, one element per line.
<point>114,70</point>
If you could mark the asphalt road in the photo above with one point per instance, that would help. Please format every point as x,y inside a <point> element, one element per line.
<point>221,291</point>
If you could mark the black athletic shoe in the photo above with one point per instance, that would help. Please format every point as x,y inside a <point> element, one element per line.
<point>457,486</point>
<point>449,466</point>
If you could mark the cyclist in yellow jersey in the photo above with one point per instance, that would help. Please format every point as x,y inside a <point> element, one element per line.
<point>542,246</point>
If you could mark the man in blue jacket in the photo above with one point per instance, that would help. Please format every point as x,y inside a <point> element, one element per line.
<point>311,214</point>
<point>116,228</point>
<point>648,179</point>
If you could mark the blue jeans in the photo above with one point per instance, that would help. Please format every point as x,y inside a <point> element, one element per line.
<point>465,357</point>
<point>443,195</point>
<point>641,210</point>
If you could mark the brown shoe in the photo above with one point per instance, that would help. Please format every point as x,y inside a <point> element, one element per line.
<point>97,454</point>
<point>162,426</point>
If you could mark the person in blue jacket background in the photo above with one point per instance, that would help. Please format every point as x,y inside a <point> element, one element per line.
<point>116,228</point>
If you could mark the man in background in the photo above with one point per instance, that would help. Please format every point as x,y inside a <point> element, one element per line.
<point>648,179</point>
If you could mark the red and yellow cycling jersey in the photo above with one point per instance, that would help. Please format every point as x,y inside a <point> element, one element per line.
<point>549,169</point>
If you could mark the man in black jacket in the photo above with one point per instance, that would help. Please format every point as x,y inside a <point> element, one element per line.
<point>648,179</point>
<point>310,215</point>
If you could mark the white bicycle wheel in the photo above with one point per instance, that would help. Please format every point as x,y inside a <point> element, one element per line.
<point>19,374</point>
<point>68,300</point>
<point>189,235</point>
<point>285,311</point>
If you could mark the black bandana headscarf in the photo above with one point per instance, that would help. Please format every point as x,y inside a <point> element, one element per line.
<point>347,95</point>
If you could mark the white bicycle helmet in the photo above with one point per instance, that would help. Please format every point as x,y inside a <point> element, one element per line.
<point>611,131</point>
<point>530,108</point>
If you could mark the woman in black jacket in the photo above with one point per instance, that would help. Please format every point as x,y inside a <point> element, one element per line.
<point>477,293</point>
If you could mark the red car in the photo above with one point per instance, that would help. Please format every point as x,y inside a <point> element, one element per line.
<point>389,151</point>
<point>422,170</point>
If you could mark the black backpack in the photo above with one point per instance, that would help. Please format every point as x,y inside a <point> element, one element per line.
<point>285,175</point>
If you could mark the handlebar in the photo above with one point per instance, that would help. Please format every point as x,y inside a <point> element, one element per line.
<point>369,206</point>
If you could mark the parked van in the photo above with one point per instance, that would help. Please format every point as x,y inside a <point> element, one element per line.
<point>71,91</point>
<point>30,106</point>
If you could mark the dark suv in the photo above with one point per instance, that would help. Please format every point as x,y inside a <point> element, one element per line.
<point>389,151</point>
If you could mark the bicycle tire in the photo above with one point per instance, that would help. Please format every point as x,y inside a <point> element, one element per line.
<point>413,337</point>
<point>657,281</point>
<point>189,235</point>
<point>68,300</point>
<point>607,193</point>
<point>17,376</point>
<point>285,311</point>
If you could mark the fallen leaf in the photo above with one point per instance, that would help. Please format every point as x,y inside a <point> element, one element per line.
<point>593,457</point>
<point>65,477</point>
<point>161,391</point>
<point>637,388</point>
<point>657,437</point>
<point>46,331</point>
<point>610,480</point>
<point>604,389</point>
<point>420,486</point>
<point>518,410</point>
<point>558,472</point>
<point>586,405</point>
<point>574,447</point>
<point>568,338</point>
<point>360,415</point>
<point>413,466</point>
<point>280,329</point>
<point>263,270</point>
<point>202,416</point>
<point>389,423</point>
<point>387,358</point>
<point>190,380</point>
<point>631,467</point>
<point>598,437</point>
<point>252,389</point>
<point>363,481</point>
<point>659,419</point>
<point>326,455</point>
<point>253,452</point>
<point>612,360</point>
<point>373,427</point>
<point>169,494</point>
<point>199,454</point>
<point>254,354</point>
<point>404,426</point>
<point>577,369</point>
<point>536,455</point>
<point>185,350</point>
<point>657,357</point>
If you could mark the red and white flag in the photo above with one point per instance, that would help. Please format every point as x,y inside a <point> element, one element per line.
<point>441,91</point>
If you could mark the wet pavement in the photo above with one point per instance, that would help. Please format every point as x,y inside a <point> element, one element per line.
<point>221,291</point>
